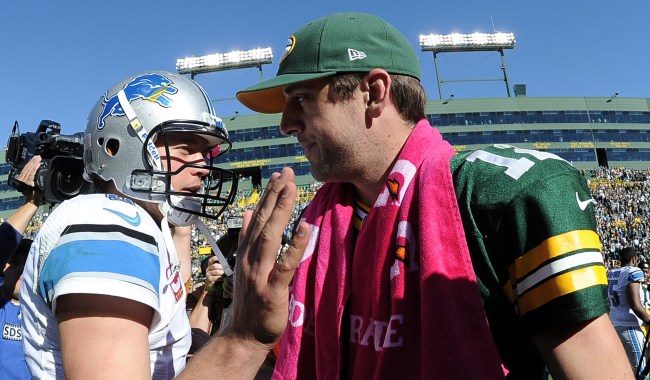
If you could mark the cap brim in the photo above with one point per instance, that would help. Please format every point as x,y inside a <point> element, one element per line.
<point>267,96</point>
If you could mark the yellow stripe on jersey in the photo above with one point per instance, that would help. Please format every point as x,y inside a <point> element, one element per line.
<point>551,248</point>
<point>561,285</point>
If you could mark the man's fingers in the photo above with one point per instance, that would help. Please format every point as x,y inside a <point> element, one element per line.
<point>288,262</point>
<point>266,227</point>
<point>252,220</point>
<point>277,212</point>
<point>215,271</point>
<point>266,206</point>
<point>269,186</point>
<point>26,175</point>
<point>242,239</point>
<point>262,231</point>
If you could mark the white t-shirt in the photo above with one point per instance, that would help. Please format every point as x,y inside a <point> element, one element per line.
<point>103,244</point>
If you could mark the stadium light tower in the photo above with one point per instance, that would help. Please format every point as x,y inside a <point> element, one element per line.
<point>456,42</point>
<point>225,61</point>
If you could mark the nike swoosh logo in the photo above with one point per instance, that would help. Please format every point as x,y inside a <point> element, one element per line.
<point>583,204</point>
<point>132,220</point>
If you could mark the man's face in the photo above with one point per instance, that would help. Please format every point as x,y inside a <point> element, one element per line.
<point>329,133</point>
<point>184,148</point>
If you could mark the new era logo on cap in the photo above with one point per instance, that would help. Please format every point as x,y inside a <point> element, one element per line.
<point>355,54</point>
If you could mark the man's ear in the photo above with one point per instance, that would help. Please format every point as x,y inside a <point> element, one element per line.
<point>377,84</point>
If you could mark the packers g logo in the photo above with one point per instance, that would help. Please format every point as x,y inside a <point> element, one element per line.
<point>291,43</point>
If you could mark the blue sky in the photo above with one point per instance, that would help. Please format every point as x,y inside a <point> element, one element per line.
<point>58,57</point>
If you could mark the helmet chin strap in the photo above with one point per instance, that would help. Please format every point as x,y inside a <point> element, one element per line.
<point>182,219</point>
<point>177,217</point>
<point>215,248</point>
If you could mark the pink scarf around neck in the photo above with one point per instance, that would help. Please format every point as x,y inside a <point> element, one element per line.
<point>414,309</point>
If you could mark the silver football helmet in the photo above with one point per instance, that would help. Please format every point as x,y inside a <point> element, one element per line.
<point>143,109</point>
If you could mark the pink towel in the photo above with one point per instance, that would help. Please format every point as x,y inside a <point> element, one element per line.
<point>414,305</point>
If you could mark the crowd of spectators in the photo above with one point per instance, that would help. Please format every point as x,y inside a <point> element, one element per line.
<point>622,208</point>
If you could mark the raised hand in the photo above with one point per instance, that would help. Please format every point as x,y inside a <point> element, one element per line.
<point>27,178</point>
<point>261,292</point>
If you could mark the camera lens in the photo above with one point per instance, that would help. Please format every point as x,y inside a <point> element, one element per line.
<point>61,178</point>
<point>67,182</point>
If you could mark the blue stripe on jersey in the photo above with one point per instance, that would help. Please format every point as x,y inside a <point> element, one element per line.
<point>117,259</point>
<point>636,276</point>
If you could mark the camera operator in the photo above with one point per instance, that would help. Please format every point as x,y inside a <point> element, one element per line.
<point>12,230</point>
<point>12,259</point>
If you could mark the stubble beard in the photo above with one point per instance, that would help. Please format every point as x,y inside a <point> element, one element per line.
<point>332,166</point>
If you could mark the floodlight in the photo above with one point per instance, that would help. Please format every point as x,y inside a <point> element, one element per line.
<point>224,61</point>
<point>457,42</point>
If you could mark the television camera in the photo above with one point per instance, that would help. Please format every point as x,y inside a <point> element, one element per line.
<point>60,176</point>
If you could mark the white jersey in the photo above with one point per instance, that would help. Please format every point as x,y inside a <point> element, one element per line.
<point>103,244</point>
<point>621,312</point>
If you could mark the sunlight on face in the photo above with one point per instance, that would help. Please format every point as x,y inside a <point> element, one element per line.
<point>184,148</point>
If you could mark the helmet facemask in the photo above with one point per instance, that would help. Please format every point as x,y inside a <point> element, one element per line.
<point>218,186</point>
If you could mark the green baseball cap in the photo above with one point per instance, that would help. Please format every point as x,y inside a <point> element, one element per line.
<point>339,43</point>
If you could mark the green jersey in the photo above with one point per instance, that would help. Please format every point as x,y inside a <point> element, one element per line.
<point>530,227</point>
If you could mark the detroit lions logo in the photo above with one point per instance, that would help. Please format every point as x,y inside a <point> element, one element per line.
<point>150,87</point>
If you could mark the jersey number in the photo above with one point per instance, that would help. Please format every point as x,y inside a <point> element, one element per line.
<point>516,167</point>
<point>613,294</point>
